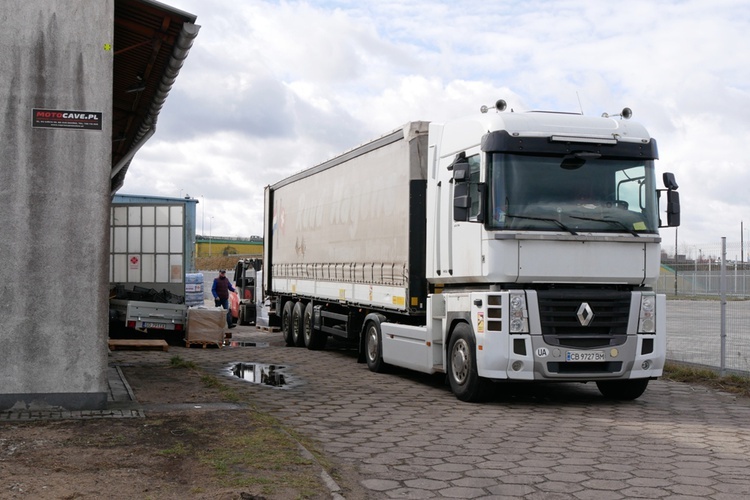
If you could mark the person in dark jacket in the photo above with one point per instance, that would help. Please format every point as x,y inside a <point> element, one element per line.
<point>220,290</point>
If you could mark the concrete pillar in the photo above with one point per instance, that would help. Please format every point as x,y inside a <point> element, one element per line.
<point>54,202</point>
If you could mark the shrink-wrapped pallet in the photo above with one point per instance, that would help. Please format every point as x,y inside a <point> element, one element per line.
<point>206,326</point>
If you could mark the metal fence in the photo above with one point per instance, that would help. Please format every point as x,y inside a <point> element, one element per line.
<point>708,311</point>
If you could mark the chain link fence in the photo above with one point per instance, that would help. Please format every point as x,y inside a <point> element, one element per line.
<point>708,308</point>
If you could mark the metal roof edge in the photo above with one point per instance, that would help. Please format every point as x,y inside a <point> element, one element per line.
<point>159,5</point>
<point>188,33</point>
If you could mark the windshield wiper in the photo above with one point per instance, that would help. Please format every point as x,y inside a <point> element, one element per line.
<point>609,221</point>
<point>545,219</point>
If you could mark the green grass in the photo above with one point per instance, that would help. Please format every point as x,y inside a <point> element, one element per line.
<point>732,383</point>
<point>178,362</point>
<point>263,445</point>
<point>227,393</point>
<point>177,450</point>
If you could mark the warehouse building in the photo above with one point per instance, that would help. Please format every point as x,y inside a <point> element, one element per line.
<point>83,84</point>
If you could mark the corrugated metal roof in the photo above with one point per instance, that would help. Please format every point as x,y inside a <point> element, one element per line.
<point>151,41</point>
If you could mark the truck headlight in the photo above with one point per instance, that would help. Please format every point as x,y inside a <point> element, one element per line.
<point>519,322</point>
<point>647,318</point>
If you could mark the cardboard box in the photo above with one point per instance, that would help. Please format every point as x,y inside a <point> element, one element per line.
<point>206,326</point>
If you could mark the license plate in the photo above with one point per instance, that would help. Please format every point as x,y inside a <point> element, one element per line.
<point>160,326</point>
<point>579,356</point>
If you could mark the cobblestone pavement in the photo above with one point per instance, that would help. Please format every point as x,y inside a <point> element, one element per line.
<point>411,438</point>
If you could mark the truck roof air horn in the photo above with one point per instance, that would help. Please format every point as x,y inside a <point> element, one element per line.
<point>500,105</point>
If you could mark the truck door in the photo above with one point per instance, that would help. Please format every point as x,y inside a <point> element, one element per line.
<point>468,214</point>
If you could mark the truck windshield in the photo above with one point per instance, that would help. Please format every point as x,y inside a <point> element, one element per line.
<point>578,193</point>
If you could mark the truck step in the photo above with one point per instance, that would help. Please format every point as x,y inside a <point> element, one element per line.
<point>138,344</point>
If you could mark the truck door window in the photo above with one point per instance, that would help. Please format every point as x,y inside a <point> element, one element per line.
<point>630,189</point>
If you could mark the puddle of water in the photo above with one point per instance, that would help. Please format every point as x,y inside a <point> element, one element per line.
<point>242,343</point>
<point>261,374</point>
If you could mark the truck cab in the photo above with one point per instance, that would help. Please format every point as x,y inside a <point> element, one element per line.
<point>546,250</point>
<point>543,198</point>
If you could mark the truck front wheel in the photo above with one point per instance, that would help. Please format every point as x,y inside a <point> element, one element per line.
<point>374,348</point>
<point>286,323</point>
<point>464,380</point>
<point>623,390</point>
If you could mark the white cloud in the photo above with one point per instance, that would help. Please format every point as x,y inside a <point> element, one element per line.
<point>272,87</point>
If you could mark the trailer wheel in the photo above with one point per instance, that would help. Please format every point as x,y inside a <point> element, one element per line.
<point>374,347</point>
<point>465,382</point>
<point>314,339</point>
<point>623,390</point>
<point>286,323</point>
<point>297,327</point>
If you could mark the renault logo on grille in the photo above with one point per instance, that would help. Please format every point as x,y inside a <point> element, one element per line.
<point>585,314</point>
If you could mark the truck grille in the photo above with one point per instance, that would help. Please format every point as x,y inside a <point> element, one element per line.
<point>558,313</point>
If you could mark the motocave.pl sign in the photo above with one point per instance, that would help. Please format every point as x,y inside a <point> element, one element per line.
<point>57,118</point>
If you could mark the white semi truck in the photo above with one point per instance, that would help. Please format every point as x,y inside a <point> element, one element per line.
<point>500,247</point>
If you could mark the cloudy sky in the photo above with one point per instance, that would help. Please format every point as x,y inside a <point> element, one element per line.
<point>270,88</point>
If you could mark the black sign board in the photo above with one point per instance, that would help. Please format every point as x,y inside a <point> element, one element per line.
<point>57,118</point>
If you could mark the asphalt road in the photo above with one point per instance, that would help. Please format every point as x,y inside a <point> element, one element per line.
<point>409,437</point>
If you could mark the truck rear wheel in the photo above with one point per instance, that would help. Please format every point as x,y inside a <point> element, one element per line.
<point>297,327</point>
<point>314,339</point>
<point>623,390</point>
<point>286,323</point>
<point>464,380</point>
<point>374,348</point>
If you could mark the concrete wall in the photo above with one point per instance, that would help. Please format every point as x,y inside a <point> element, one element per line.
<point>54,204</point>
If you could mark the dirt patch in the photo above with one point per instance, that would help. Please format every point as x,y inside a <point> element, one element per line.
<point>195,453</point>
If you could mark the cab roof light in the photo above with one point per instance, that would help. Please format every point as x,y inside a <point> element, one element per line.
<point>589,140</point>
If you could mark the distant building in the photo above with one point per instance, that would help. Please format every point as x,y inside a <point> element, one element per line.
<point>206,246</point>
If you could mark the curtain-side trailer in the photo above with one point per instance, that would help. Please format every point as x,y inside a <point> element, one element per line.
<point>502,246</point>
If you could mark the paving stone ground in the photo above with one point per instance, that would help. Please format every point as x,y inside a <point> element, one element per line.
<point>411,438</point>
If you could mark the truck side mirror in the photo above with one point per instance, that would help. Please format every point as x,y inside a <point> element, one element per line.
<point>669,181</point>
<point>461,201</point>
<point>673,200</point>
<point>461,171</point>
<point>461,190</point>
<point>673,208</point>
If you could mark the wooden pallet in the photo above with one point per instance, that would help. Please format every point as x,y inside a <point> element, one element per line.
<point>271,329</point>
<point>203,343</point>
<point>138,344</point>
